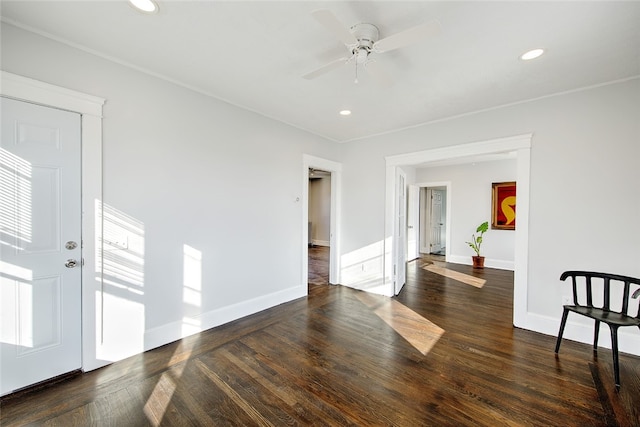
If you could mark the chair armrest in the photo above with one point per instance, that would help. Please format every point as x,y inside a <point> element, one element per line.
<point>636,294</point>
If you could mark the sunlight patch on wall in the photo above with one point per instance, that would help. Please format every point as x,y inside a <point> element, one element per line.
<point>363,268</point>
<point>418,331</point>
<point>120,311</point>
<point>191,290</point>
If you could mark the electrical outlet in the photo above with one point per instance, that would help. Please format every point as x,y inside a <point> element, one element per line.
<point>120,241</point>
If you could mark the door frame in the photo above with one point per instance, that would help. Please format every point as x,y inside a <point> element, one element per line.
<point>335,169</point>
<point>447,216</point>
<point>413,222</point>
<point>521,145</point>
<point>400,251</point>
<point>90,109</point>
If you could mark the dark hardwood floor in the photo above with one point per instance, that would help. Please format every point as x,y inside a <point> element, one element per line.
<point>443,353</point>
<point>318,265</point>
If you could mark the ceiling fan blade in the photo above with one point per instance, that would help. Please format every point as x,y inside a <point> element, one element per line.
<point>378,73</point>
<point>325,69</point>
<point>328,20</point>
<point>407,37</point>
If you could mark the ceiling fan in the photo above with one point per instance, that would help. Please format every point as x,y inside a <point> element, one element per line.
<point>361,40</point>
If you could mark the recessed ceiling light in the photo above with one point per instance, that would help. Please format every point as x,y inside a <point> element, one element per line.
<point>147,6</point>
<point>532,54</point>
<point>345,112</point>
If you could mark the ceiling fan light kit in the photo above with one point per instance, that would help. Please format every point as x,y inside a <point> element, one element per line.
<point>366,36</point>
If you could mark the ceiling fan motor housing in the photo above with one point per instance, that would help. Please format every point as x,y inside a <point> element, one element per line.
<point>367,35</point>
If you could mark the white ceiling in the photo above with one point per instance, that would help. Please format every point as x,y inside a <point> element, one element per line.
<point>253,54</point>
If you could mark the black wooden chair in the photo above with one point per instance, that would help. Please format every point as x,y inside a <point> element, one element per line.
<point>583,284</point>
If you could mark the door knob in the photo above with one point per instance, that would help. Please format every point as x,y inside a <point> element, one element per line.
<point>70,263</point>
<point>71,245</point>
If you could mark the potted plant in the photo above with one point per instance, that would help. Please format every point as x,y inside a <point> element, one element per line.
<point>476,241</point>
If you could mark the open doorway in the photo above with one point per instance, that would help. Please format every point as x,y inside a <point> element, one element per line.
<point>433,220</point>
<point>520,146</point>
<point>319,233</point>
<point>334,169</point>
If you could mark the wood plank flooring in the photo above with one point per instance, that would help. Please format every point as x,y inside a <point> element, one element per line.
<point>340,357</point>
<point>318,265</point>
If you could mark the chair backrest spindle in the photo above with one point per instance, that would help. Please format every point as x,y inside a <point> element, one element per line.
<point>607,293</point>
<point>625,297</point>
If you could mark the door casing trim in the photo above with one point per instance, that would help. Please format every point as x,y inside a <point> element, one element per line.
<point>90,109</point>
<point>335,168</point>
<point>521,145</point>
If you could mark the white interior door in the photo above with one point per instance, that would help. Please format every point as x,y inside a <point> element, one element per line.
<point>40,232</point>
<point>425,206</point>
<point>413,219</point>
<point>436,221</point>
<point>401,231</point>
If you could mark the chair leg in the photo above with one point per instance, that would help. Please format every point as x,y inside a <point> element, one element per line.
<point>565,314</point>
<point>596,333</point>
<point>614,350</point>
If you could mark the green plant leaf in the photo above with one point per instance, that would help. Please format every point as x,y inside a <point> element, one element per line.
<point>483,227</point>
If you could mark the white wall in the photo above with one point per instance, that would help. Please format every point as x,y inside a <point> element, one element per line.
<point>195,186</point>
<point>320,210</point>
<point>584,196</point>
<point>363,189</point>
<point>471,205</point>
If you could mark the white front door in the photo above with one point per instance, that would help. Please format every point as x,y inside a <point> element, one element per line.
<point>40,236</point>
<point>401,232</point>
<point>436,221</point>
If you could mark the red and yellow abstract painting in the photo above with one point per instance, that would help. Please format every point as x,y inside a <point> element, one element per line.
<point>503,201</point>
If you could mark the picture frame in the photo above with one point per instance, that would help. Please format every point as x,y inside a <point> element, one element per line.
<point>503,205</point>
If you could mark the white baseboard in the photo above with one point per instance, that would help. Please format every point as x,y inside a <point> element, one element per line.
<point>499,264</point>
<point>170,332</point>
<point>488,262</point>
<point>320,242</point>
<point>576,330</point>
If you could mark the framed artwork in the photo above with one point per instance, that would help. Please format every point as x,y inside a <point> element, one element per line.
<point>503,205</point>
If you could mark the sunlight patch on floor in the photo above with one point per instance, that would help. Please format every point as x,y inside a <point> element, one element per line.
<point>418,331</point>
<point>455,275</point>
<point>160,398</point>
<point>156,405</point>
